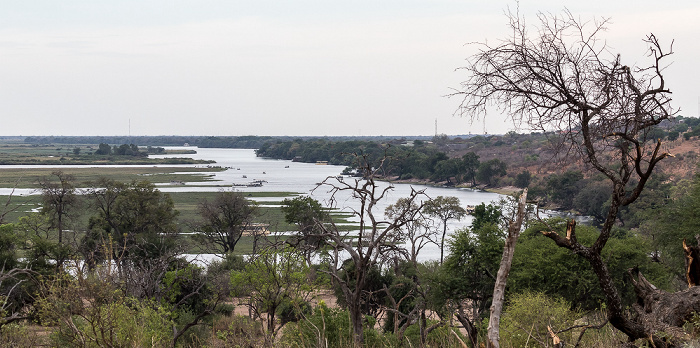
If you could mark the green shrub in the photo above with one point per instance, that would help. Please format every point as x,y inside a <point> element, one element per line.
<point>91,313</point>
<point>237,331</point>
<point>330,325</point>
<point>195,335</point>
<point>527,316</point>
<point>292,311</point>
<point>124,323</point>
<point>18,335</point>
<point>440,337</point>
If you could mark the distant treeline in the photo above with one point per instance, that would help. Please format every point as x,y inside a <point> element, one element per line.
<point>235,142</point>
<point>242,142</point>
<point>403,159</point>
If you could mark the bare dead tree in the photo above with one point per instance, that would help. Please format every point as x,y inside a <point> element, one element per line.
<point>376,238</point>
<point>562,78</point>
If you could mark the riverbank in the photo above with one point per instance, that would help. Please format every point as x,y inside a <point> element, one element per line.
<point>501,190</point>
<point>504,190</point>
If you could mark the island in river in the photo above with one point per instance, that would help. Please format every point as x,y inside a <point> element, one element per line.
<point>46,154</point>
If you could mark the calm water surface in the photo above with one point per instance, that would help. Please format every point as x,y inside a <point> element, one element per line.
<point>286,176</point>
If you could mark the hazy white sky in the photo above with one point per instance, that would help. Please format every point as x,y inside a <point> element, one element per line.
<point>294,67</point>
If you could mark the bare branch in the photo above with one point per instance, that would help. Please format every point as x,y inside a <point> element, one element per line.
<point>562,78</point>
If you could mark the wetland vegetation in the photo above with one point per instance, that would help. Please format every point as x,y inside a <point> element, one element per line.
<point>81,154</point>
<point>15,177</point>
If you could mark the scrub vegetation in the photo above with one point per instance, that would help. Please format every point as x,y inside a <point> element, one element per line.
<point>111,264</point>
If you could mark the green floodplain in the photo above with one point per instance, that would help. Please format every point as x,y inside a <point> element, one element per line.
<point>82,154</point>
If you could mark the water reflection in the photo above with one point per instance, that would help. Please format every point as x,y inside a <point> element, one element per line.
<point>242,167</point>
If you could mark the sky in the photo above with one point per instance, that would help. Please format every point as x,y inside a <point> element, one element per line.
<point>286,67</point>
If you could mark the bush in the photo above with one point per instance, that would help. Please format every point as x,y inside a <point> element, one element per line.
<point>89,310</point>
<point>440,337</point>
<point>118,324</point>
<point>324,325</point>
<point>229,262</point>
<point>523,179</point>
<point>292,311</point>
<point>332,326</point>
<point>195,335</point>
<point>237,331</point>
<point>185,284</point>
<point>540,265</point>
<point>673,135</point>
<point>16,335</point>
<point>527,316</point>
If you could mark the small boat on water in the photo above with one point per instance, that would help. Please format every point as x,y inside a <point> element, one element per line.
<point>254,183</point>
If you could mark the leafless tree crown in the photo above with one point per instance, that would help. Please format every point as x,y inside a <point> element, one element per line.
<point>563,78</point>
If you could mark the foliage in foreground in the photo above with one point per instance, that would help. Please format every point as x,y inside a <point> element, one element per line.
<point>330,327</point>
<point>540,265</point>
<point>529,315</point>
<point>90,314</point>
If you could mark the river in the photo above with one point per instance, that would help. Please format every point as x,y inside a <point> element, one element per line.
<point>243,166</point>
<point>303,178</point>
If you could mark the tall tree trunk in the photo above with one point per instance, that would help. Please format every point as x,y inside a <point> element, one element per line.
<point>468,326</point>
<point>356,323</point>
<point>422,323</point>
<point>502,276</point>
<point>60,226</point>
<point>442,242</point>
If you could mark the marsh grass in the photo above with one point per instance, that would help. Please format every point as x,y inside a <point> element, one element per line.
<point>16,154</point>
<point>29,177</point>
